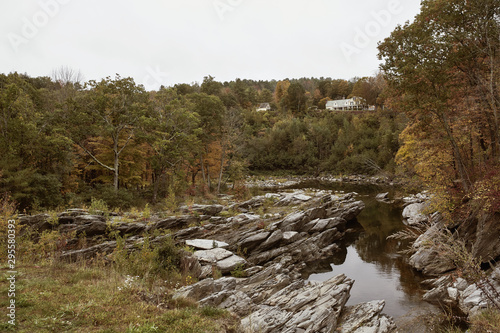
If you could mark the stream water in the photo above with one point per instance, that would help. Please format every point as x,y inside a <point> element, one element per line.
<point>375,263</point>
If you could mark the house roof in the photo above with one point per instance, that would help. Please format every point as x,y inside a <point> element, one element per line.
<point>343,102</point>
<point>339,102</point>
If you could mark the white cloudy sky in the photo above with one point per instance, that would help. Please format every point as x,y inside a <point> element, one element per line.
<point>167,42</point>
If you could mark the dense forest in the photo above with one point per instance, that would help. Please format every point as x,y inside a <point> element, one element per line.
<point>65,141</point>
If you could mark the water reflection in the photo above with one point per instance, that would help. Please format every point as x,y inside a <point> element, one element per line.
<point>373,261</point>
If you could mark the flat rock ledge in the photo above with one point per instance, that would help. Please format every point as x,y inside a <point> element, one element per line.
<point>277,300</point>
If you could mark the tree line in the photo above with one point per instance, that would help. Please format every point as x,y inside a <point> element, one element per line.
<point>64,141</point>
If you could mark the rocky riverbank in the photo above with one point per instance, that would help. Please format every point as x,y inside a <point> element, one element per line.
<point>274,183</point>
<point>259,247</point>
<point>461,257</point>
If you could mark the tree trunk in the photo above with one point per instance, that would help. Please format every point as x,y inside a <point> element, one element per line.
<point>193,176</point>
<point>462,171</point>
<point>116,166</point>
<point>221,167</point>
<point>203,169</point>
<point>208,177</point>
<point>156,185</point>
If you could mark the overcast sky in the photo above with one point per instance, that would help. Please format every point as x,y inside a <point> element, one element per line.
<point>166,42</point>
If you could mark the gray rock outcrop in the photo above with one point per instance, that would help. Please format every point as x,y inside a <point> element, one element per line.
<point>413,214</point>
<point>365,318</point>
<point>269,252</point>
<point>469,298</point>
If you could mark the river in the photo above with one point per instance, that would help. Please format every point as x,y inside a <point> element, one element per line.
<point>375,263</point>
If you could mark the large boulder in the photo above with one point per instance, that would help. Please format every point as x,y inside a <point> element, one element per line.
<point>366,317</point>
<point>205,288</point>
<point>413,214</point>
<point>427,258</point>
<point>250,242</point>
<point>36,223</point>
<point>469,298</point>
<point>223,259</point>
<point>90,225</point>
<point>346,209</point>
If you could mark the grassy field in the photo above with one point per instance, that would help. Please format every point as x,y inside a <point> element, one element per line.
<point>59,297</point>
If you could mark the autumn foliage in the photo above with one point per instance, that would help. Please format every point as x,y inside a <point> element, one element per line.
<point>443,71</point>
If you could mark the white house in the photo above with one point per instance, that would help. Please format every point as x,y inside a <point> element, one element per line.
<point>264,107</point>
<point>354,103</point>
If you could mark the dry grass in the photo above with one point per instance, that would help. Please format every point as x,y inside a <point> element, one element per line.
<point>486,322</point>
<point>78,298</point>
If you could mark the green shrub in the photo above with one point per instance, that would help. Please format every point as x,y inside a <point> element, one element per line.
<point>209,311</point>
<point>239,271</point>
<point>148,261</point>
<point>98,207</point>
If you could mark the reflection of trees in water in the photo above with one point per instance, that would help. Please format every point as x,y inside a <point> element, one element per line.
<point>380,218</point>
<point>325,265</point>
<point>376,249</point>
<point>409,278</point>
<point>379,221</point>
<point>339,257</point>
<point>373,225</point>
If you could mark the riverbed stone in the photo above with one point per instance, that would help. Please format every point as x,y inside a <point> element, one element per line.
<point>290,222</point>
<point>224,260</point>
<point>243,218</point>
<point>252,241</point>
<point>291,236</point>
<point>295,198</point>
<point>272,297</point>
<point>205,287</point>
<point>205,244</point>
<point>382,196</point>
<point>347,210</point>
<point>453,293</point>
<point>213,255</point>
<point>413,215</point>
<point>366,318</point>
<point>273,240</point>
<point>175,222</point>
<point>228,264</point>
<point>426,258</point>
<point>460,284</point>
